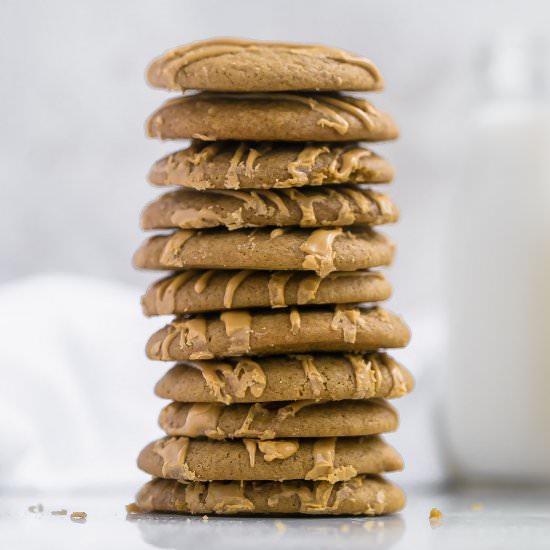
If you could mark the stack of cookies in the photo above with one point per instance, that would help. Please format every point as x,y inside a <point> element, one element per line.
<point>278,394</point>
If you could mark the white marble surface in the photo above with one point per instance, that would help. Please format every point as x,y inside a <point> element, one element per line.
<point>512,517</point>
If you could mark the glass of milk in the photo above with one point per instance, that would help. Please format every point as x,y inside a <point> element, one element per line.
<point>497,406</point>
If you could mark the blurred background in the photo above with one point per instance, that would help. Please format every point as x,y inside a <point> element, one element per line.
<point>468,84</point>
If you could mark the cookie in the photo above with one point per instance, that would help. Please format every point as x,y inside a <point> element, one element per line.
<point>319,250</point>
<point>271,117</point>
<point>324,459</point>
<point>266,332</point>
<point>236,65</point>
<point>187,209</point>
<point>296,419</point>
<point>194,291</point>
<point>235,165</point>
<point>362,495</point>
<point>286,378</point>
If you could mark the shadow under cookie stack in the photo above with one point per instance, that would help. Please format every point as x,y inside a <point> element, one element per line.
<point>278,394</point>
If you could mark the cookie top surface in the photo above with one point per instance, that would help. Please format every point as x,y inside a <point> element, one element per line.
<point>318,250</point>
<point>323,459</point>
<point>237,65</point>
<point>297,419</point>
<point>271,117</point>
<point>286,378</point>
<point>196,291</point>
<point>250,165</point>
<point>231,209</point>
<point>267,332</point>
<point>361,495</point>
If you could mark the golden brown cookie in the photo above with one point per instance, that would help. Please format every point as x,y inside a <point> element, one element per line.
<point>188,209</point>
<point>237,65</point>
<point>324,459</point>
<point>271,117</point>
<point>279,420</point>
<point>268,332</point>
<point>195,291</point>
<point>361,495</point>
<point>319,250</point>
<point>286,378</point>
<point>278,165</point>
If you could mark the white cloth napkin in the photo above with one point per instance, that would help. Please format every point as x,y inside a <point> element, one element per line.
<point>76,392</point>
<point>76,396</point>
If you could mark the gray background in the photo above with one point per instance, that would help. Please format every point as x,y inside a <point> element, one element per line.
<point>73,155</point>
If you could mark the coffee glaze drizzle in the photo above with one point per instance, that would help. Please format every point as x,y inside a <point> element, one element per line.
<point>231,178</point>
<point>191,333</point>
<point>202,282</point>
<point>174,247</point>
<point>173,451</point>
<point>238,329</point>
<point>348,320</point>
<point>319,252</point>
<point>367,376</point>
<point>202,420</point>
<point>307,289</point>
<point>399,384</point>
<point>232,286</point>
<point>316,380</point>
<point>167,289</point>
<point>271,450</point>
<point>295,321</point>
<point>276,288</point>
<point>324,453</point>
<point>227,381</point>
<point>306,205</point>
<point>226,498</point>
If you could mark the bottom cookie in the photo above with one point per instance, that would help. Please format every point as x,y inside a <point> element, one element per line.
<point>361,495</point>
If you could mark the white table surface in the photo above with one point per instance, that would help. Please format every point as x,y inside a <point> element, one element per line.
<point>512,517</point>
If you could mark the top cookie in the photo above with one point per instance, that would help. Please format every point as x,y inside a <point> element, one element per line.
<point>235,65</point>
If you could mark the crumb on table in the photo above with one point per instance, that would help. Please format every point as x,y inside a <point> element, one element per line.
<point>476,507</point>
<point>280,526</point>
<point>435,513</point>
<point>61,512</point>
<point>78,516</point>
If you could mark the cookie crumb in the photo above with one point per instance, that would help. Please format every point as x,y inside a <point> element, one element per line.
<point>133,508</point>
<point>205,518</point>
<point>435,518</point>
<point>281,527</point>
<point>36,509</point>
<point>344,528</point>
<point>79,516</point>
<point>476,507</point>
<point>61,512</point>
